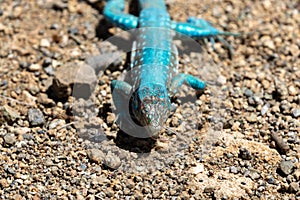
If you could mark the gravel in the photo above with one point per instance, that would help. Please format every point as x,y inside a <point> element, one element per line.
<point>239,138</point>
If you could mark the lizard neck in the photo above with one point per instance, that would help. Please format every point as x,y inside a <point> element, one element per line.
<point>160,4</point>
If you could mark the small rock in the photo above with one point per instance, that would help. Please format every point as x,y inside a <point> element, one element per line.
<point>268,42</point>
<point>109,192</point>
<point>49,70</point>
<point>235,126</point>
<point>294,187</point>
<point>197,169</point>
<point>292,90</point>
<point>296,112</point>
<point>244,154</point>
<point>282,91</point>
<point>95,155</point>
<point>221,80</point>
<point>280,143</point>
<point>264,109</point>
<point>252,118</point>
<point>9,139</point>
<point>54,26</point>
<point>110,118</point>
<point>294,49</point>
<point>138,195</point>
<point>48,162</point>
<point>43,99</point>
<point>79,75</point>
<point>271,180</point>
<point>56,123</point>
<point>233,169</point>
<point>297,174</point>
<point>130,184</point>
<point>248,93</point>
<point>34,67</point>
<point>254,175</point>
<point>27,136</point>
<point>35,117</point>
<point>8,114</point>
<point>112,160</point>
<point>209,189</point>
<point>44,42</point>
<point>286,167</point>
<point>4,183</point>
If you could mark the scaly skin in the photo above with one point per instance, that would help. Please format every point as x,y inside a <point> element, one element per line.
<point>154,76</point>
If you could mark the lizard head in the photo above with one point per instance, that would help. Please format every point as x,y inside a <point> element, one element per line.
<point>150,106</point>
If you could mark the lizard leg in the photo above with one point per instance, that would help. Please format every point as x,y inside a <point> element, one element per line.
<point>201,29</point>
<point>120,93</point>
<point>113,12</point>
<point>190,80</point>
<point>203,24</point>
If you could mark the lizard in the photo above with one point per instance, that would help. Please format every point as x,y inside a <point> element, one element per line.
<point>144,101</point>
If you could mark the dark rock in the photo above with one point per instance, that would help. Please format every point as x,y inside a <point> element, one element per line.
<point>286,167</point>
<point>35,117</point>
<point>244,154</point>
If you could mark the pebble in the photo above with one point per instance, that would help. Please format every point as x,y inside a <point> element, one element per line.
<point>95,155</point>
<point>197,169</point>
<point>233,169</point>
<point>49,70</point>
<point>248,93</point>
<point>286,167</point>
<point>35,117</point>
<point>254,175</point>
<point>34,67</point>
<point>54,26</point>
<point>245,154</point>
<point>296,112</point>
<point>280,143</point>
<point>43,99</point>
<point>294,187</point>
<point>4,183</point>
<point>297,174</point>
<point>8,114</point>
<point>209,189</point>
<point>292,90</point>
<point>47,61</point>
<point>221,80</point>
<point>9,139</point>
<point>294,49</point>
<point>112,160</point>
<point>44,42</point>
<point>74,74</point>
<point>252,118</point>
<point>264,62</point>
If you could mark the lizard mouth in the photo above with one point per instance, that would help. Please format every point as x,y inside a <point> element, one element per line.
<point>152,116</point>
<point>150,109</point>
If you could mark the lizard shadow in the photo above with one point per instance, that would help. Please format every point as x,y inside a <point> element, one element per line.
<point>134,144</point>
<point>125,141</point>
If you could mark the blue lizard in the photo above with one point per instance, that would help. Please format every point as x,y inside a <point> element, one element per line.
<point>154,77</point>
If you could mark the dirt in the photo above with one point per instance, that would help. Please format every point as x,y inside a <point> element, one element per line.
<point>238,139</point>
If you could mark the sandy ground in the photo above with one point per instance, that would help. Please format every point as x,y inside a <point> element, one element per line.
<point>239,139</point>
